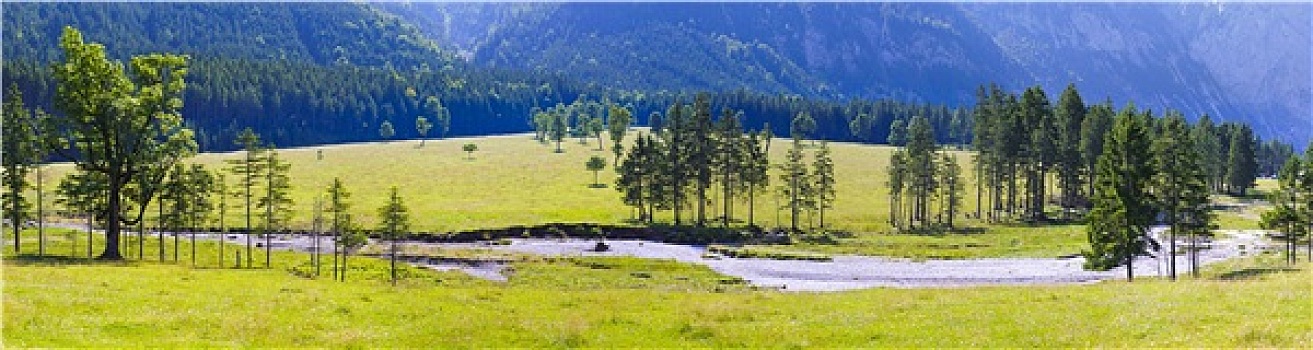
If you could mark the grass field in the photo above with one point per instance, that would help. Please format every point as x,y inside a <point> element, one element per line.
<point>62,302</point>
<point>514,180</point>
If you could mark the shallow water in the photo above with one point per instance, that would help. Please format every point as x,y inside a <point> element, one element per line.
<point>857,272</point>
<point>845,272</point>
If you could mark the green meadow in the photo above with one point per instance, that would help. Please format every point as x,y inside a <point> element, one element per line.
<point>513,180</point>
<point>63,301</point>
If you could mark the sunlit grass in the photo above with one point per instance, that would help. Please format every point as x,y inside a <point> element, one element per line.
<point>627,302</point>
<point>514,180</point>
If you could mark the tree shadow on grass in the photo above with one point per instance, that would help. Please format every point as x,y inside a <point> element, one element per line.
<point>29,259</point>
<point>943,232</point>
<point>1254,272</point>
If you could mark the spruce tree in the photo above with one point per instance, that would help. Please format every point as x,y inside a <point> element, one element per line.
<point>20,149</point>
<point>1070,115</point>
<point>1242,166</point>
<point>823,174</point>
<point>896,183</point>
<point>277,200</point>
<point>1041,151</point>
<point>1123,203</point>
<point>792,177</point>
<point>248,170</point>
<point>1094,129</point>
<point>1209,149</point>
<point>1179,183</point>
<point>921,169</point>
<point>394,223</point>
<point>341,223</point>
<point>756,170</point>
<point>951,183</point>
<point>1288,206</point>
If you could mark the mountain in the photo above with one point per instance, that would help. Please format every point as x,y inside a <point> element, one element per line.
<point>1235,62</point>
<point>340,69</point>
<point>322,33</point>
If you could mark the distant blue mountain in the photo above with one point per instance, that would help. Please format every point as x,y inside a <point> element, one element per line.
<point>1236,62</point>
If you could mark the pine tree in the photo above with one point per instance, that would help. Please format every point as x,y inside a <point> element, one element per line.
<point>1179,183</point>
<point>341,223</point>
<point>898,133</point>
<point>1041,151</point>
<point>276,201</point>
<point>1242,167</point>
<point>897,181</point>
<point>1286,214</point>
<point>248,170</point>
<point>823,174</point>
<point>201,185</point>
<point>700,152</point>
<point>952,187</point>
<point>1123,204</point>
<point>558,126</point>
<point>1070,115</point>
<point>1094,129</point>
<point>756,170</point>
<point>793,178</point>
<point>394,223</point>
<point>635,174</point>
<point>1209,149</point>
<point>921,150</point>
<point>802,126</point>
<point>20,150</point>
<point>728,159</point>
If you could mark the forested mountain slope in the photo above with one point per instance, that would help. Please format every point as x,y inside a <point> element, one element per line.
<point>1237,62</point>
<point>334,71</point>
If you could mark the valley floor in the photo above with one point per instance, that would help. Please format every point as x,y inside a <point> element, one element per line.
<point>620,302</point>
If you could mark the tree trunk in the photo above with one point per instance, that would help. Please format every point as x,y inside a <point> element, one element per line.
<point>89,235</point>
<point>1130,267</point>
<point>161,228</point>
<point>394,261</point>
<point>1171,247</point>
<point>752,199</point>
<point>113,224</point>
<point>40,215</point>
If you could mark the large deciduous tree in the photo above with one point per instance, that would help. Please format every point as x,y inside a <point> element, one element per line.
<point>120,121</point>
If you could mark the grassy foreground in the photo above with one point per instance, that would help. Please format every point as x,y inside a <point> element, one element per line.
<point>514,180</point>
<point>63,302</point>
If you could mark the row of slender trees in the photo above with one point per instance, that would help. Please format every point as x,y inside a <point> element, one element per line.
<point>674,167</point>
<point>1292,203</point>
<point>924,174</point>
<point>1024,142</point>
<point>123,127</point>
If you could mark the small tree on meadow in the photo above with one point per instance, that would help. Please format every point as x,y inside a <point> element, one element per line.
<point>596,164</point>
<point>617,124</point>
<point>337,208</point>
<point>394,224</point>
<point>469,150</point>
<point>422,125</point>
